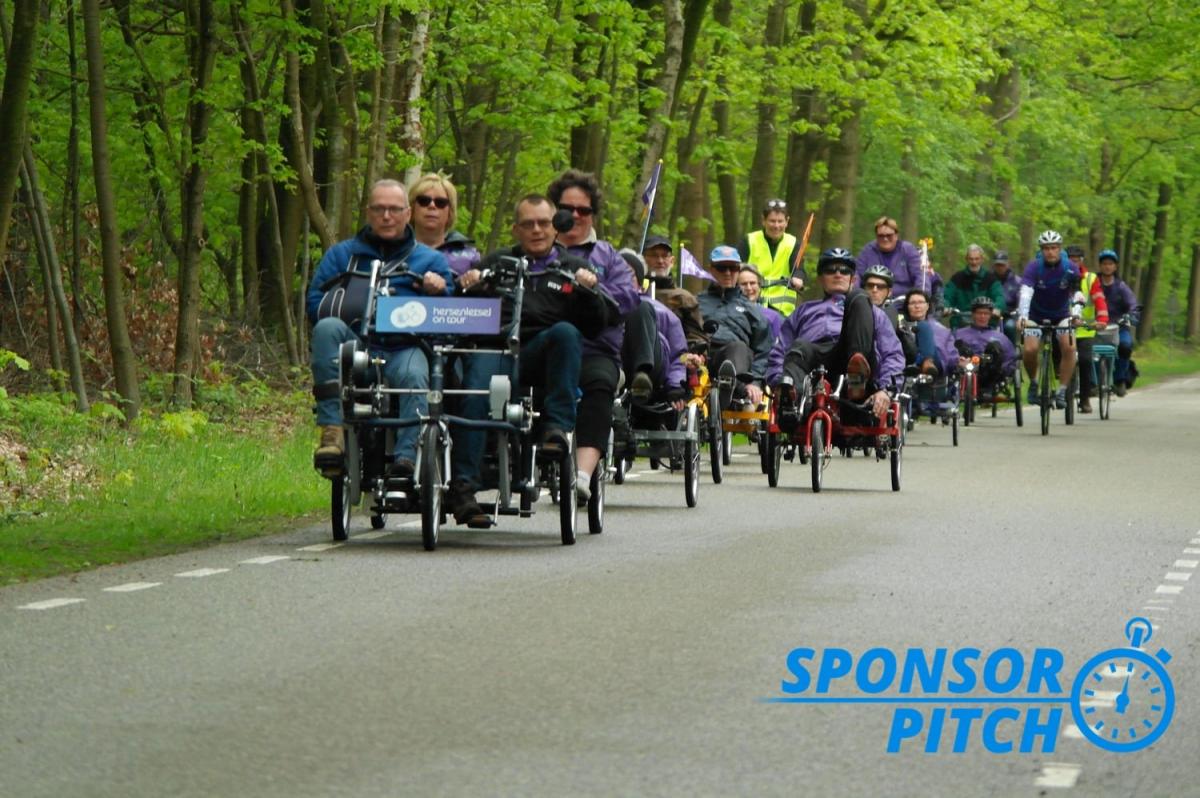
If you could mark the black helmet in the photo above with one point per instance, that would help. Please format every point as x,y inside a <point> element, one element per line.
<point>832,257</point>
<point>982,302</point>
<point>1075,251</point>
<point>880,272</point>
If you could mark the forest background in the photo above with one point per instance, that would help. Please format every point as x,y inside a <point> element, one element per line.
<point>170,172</point>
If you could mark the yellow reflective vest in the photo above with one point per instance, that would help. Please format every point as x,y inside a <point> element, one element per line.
<point>778,267</point>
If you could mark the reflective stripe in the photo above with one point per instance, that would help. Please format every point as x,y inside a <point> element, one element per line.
<point>774,268</point>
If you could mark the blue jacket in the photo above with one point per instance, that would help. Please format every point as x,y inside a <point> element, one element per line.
<point>337,259</point>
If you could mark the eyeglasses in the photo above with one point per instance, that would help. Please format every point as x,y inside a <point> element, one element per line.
<point>728,268</point>
<point>776,205</point>
<point>582,210</point>
<point>886,236</point>
<point>530,224</point>
<point>876,286</point>
<point>843,269</point>
<point>437,202</point>
<point>384,210</point>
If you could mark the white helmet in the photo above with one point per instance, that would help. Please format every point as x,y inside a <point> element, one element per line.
<point>1049,237</point>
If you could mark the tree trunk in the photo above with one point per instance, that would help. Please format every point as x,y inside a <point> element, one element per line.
<point>910,223</point>
<point>684,149</point>
<point>587,136</point>
<point>843,184</point>
<point>694,12</point>
<point>762,184</point>
<point>54,284</point>
<point>413,135</point>
<point>656,134</point>
<point>1146,325</point>
<point>121,349</point>
<point>726,180</point>
<point>43,245</point>
<point>1192,329</point>
<point>383,85</point>
<point>72,214</point>
<point>18,71</point>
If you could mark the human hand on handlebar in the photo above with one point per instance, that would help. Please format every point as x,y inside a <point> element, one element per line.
<point>754,394</point>
<point>433,284</point>
<point>469,279</point>
<point>586,278</point>
<point>880,402</point>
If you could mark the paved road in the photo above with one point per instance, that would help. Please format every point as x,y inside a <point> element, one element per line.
<point>636,662</point>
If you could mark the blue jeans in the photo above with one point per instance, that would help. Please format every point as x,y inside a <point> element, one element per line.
<point>551,360</point>
<point>927,346</point>
<point>1124,352</point>
<point>402,368</point>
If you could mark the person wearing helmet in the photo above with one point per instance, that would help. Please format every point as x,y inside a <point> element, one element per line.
<point>877,282</point>
<point>772,250</point>
<point>1048,290</point>
<point>654,345</point>
<point>902,258</point>
<point>1095,312</point>
<point>842,331</point>
<point>980,338</point>
<point>739,347</point>
<point>969,283</point>
<point>1122,305</point>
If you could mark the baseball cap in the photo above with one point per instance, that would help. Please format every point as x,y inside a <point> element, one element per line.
<point>724,254</point>
<point>1000,257</point>
<point>657,241</point>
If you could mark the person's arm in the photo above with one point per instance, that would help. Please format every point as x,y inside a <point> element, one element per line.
<point>787,334</point>
<point>1100,301</point>
<point>760,343</point>
<point>675,372</point>
<point>996,292</point>
<point>888,353</point>
<point>332,263</point>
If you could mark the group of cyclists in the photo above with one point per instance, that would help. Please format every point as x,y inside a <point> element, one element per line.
<point>596,320</point>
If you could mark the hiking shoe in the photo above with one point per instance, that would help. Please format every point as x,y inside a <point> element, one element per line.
<point>329,454</point>
<point>726,378</point>
<point>1033,397</point>
<point>554,441</point>
<point>1060,397</point>
<point>928,367</point>
<point>1085,406</point>
<point>1119,388</point>
<point>461,503</point>
<point>858,371</point>
<point>642,387</point>
<point>401,468</point>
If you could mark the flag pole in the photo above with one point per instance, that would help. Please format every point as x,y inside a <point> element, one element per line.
<point>649,196</point>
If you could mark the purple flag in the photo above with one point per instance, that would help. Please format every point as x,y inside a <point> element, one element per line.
<point>690,267</point>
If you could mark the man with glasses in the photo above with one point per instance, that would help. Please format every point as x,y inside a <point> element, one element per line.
<point>771,250</point>
<point>973,281</point>
<point>579,193</point>
<point>901,258</point>
<point>387,237</point>
<point>844,332</point>
<point>877,282</point>
<point>739,348</point>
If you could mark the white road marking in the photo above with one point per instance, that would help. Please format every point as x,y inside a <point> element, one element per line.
<point>1157,609</point>
<point>1196,541</point>
<point>739,454</point>
<point>1101,698</point>
<point>1072,731</point>
<point>1186,563</point>
<point>267,560</point>
<point>1058,775</point>
<point>378,533</point>
<point>1191,551</point>
<point>1161,601</point>
<point>1178,576</point>
<point>632,475</point>
<point>1169,589</point>
<point>319,547</point>
<point>131,587</point>
<point>202,572</point>
<point>412,523</point>
<point>50,604</point>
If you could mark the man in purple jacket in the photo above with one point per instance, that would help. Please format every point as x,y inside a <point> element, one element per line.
<point>578,193</point>
<point>981,339</point>
<point>654,346</point>
<point>902,259</point>
<point>844,332</point>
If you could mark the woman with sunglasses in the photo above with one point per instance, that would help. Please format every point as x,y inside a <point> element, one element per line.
<point>771,250</point>
<point>434,211</point>
<point>902,259</point>
<point>578,193</point>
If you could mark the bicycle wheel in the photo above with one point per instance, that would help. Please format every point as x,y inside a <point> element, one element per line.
<point>1044,387</point>
<point>1105,387</point>
<point>691,456</point>
<point>727,449</point>
<point>595,505</point>
<point>567,501</point>
<point>1069,410</point>
<point>1017,400</point>
<point>431,486</point>
<point>954,427</point>
<point>340,506</point>
<point>969,400</point>
<point>716,438</point>
<point>818,453</point>
<point>895,458</point>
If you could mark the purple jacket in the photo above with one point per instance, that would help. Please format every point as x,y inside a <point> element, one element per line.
<point>977,339</point>
<point>775,319</point>
<point>905,263</point>
<point>672,343</point>
<point>616,278</point>
<point>821,320</point>
<point>1121,300</point>
<point>460,253</point>
<point>1012,289</point>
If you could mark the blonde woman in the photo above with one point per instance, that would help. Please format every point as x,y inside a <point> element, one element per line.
<point>434,211</point>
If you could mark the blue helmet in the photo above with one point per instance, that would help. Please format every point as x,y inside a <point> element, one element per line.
<point>1108,254</point>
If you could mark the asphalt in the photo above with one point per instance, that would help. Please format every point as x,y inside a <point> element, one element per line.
<point>639,661</point>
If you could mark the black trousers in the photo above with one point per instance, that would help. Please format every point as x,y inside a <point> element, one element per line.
<point>1083,356</point>
<point>598,385</point>
<point>857,336</point>
<point>640,351</point>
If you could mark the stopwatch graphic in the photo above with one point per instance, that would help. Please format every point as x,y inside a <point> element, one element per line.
<point>1144,695</point>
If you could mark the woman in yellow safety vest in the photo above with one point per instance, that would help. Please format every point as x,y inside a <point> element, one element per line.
<point>771,250</point>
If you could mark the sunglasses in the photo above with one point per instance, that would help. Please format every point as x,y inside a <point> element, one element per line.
<point>438,202</point>
<point>776,205</point>
<point>843,269</point>
<point>582,210</point>
<point>876,286</point>
<point>886,236</point>
<point>727,268</point>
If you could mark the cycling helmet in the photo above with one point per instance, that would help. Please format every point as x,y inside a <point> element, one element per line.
<point>832,257</point>
<point>881,272</point>
<point>636,262</point>
<point>982,302</point>
<point>1108,254</point>
<point>1049,237</point>
<point>1075,251</point>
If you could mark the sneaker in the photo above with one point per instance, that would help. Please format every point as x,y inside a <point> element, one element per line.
<point>329,453</point>
<point>401,468</point>
<point>554,441</point>
<point>1085,406</point>
<point>1033,397</point>
<point>928,367</point>
<point>1119,388</point>
<point>460,502</point>
<point>858,371</point>
<point>583,487</point>
<point>642,387</point>
<point>726,378</point>
<point>1060,397</point>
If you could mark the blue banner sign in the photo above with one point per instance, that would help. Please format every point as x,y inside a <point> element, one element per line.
<point>429,315</point>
